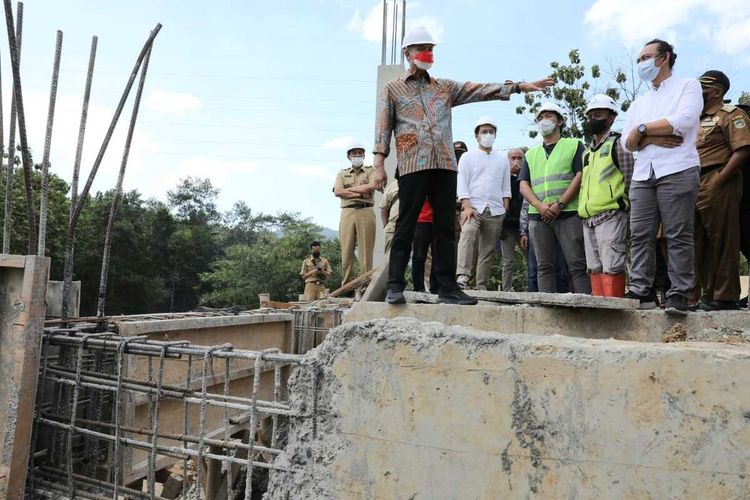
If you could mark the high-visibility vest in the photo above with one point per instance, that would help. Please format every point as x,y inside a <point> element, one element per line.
<point>602,184</point>
<point>551,175</point>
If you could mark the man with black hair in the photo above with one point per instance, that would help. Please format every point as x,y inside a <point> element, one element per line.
<point>662,125</point>
<point>315,270</point>
<point>724,148</point>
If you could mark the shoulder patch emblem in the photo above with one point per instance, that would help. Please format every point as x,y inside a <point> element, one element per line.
<point>605,151</point>
<point>739,123</point>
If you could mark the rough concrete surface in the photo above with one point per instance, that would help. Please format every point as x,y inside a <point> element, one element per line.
<point>642,326</point>
<point>407,409</point>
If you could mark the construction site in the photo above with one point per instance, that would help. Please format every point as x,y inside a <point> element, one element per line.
<point>525,395</point>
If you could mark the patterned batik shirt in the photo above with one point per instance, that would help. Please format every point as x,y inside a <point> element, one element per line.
<point>418,111</point>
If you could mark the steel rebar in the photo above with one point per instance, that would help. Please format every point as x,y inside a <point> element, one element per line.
<point>8,222</point>
<point>43,194</point>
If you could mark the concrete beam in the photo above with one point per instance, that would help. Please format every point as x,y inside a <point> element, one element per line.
<point>642,326</point>
<point>23,289</point>
<point>407,409</point>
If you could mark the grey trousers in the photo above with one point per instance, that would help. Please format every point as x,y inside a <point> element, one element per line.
<point>606,245</point>
<point>569,233</point>
<point>671,201</point>
<point>508,248</point>
<point>487,229</point>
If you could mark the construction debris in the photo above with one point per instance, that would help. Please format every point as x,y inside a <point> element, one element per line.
<point>675,334</point>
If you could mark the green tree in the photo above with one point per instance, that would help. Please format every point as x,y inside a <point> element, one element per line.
<point>572,90</point>
<point>271,264</point>
<point>744,98</point>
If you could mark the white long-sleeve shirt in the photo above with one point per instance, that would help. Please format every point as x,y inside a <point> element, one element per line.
<point>484,179</point>
<point>680,101</point>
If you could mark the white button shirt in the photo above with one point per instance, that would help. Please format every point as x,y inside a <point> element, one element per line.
<point>484,179</point>
<point>680,101</point>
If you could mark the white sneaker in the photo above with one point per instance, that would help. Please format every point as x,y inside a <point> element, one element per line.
<point>462,281</point>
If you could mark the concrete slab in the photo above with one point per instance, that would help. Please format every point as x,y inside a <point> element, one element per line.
<point>23,288</point>
<point>407,409</point>
<point>574,300</point>
<point>642,326</point>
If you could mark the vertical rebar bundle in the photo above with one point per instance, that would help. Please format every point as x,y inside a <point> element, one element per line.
<point>8,223</point>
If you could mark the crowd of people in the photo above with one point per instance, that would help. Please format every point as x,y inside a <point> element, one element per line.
<point>658,212</point>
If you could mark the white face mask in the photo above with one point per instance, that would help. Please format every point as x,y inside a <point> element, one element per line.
<point>486,140</point>
<point>546,127</point>
<point>357,161</point>
<point>648,70</point>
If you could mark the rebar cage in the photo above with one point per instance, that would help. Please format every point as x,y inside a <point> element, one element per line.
<point>131,417</point>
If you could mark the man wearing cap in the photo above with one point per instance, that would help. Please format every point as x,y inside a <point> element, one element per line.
<point>483,189</point>
<point>550,181</point>
<point>416,108</point>
<point>355,187</point>
<point>723,147</point>
<point>315,270</point>
<point>511,223</point>
<point>603,201</point>
<point>665,176</point>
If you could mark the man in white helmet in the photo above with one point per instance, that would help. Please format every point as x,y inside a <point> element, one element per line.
<point>603,203</point>
<point>483,189</point>
<point>416,108</point>
<point>355,186</point>
<point>550,180</point>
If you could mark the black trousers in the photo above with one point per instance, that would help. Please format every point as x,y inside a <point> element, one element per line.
<point>745,223</point>
<point>440,187</point>
<point>423,238</point>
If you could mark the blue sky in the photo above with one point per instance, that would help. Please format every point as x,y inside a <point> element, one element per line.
<point>261,96</point>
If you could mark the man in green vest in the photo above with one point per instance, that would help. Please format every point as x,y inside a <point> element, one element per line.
<point>550,180</point>
<point>603,201</point>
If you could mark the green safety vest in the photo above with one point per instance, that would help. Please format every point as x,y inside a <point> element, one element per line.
<point>551,176</point>
<point>602,184</point>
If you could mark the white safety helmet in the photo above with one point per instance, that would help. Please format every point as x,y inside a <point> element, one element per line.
<point>485,120</point>
<point>416,36</point>
<point>354,145</point>
<point>602,101</point>
<point>550,106</point>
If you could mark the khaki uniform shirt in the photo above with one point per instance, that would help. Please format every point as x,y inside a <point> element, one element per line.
<point>309,263</point>
<point>350,177</point>
<point>390,202</point>
<point>723,130</point>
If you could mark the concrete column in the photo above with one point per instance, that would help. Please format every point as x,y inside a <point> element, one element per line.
<point>386,73</point>
<point>23,289</point>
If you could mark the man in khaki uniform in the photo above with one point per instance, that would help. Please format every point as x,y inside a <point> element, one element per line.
<point>315,270</point>
<point>355,187</point>
<point>724,147</point>
<point>389,213</point>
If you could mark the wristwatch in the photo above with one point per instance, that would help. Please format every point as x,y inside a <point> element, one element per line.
<point>642,129</point>
<point>516,89</point>
<point>560,204</point>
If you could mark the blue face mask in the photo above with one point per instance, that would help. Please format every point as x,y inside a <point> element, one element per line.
<point>648,70</point>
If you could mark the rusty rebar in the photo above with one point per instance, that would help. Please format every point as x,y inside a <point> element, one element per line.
<point>43,194</point>
<point>118,190</point>
<point>15,62</point>
<point>8,223</point>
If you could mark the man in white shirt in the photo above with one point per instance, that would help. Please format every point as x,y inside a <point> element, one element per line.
<point>483,188</point>
<point>662,127</point>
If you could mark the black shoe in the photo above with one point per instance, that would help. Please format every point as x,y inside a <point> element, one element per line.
<point>647,302</point>
<point>677,304</point>
<point>742,303</point>
<point>456,297</point>
<point>719,305</point>
<point>395,297</point>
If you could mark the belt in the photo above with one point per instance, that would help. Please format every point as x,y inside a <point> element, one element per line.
<point>359,205</point>
<point>313,282</point>
<point>710,168</point>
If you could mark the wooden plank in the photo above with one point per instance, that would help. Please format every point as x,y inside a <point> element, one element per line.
<point>354,284</point>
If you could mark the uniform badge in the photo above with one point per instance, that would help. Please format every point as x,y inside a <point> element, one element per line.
<point>604,152</point>
<point>739,123</point>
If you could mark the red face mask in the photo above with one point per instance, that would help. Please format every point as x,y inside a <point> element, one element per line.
<point>425,56</point>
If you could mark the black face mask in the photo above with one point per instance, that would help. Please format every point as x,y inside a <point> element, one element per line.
<point>597,126</point>
<point>316,255</point>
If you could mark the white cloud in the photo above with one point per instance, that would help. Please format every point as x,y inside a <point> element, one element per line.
<point>318,171</point>
<point>722,23</point>
<point>174,103</point>
<point>338,144</point>
<point>370,26</point>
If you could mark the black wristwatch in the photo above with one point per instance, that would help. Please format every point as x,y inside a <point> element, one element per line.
<point>642,129</point>
<point>560,204</point>
<point>516,88</point>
